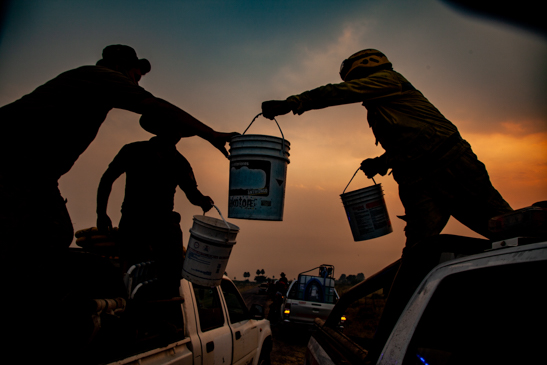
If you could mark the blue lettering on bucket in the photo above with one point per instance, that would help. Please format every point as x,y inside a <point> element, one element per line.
<point>242,202</point>
<point>208,273</point>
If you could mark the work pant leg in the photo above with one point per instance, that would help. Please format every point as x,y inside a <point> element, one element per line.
<point>472,198</point>
<point>169,252</point>
<point>157,239</point>
<point>426,214</point>
<point>416,262</point>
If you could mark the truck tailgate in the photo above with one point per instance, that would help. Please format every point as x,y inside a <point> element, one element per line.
<point>302,311</point>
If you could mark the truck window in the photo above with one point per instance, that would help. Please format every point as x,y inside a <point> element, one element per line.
<point>293,290</point>
<point>493,315</point>
<point>313,293</point>
<point>209,307</point>
<point>237,309</point>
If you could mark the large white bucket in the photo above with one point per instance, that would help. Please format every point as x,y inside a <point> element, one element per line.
<point>258,176</point>
<point>367,212</point>
<point>209,247</point>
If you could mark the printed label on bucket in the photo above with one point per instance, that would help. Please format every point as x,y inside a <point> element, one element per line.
<point>204,263</point>
<point>249,178</point>
<point>370,217</point>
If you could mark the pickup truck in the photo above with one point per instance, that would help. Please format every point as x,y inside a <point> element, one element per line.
<point>309,297</point>
<point>205,325</point>
<point>484,307</point>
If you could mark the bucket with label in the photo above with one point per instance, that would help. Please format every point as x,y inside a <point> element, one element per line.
<point>258,176</point>
<point>367,212</point>
<point>209,248</point>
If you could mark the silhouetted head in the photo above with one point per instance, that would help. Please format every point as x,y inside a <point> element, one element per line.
<point>124,58</point>
<point>363,64</point>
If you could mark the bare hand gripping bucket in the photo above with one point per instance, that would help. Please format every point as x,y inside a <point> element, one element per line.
<point>367,212</point>
<point>258,176</point>
<point>209,247</point>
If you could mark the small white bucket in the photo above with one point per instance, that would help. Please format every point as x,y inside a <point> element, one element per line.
<point>209,248</point>
<point>258,176</point>
<point>367,212</point>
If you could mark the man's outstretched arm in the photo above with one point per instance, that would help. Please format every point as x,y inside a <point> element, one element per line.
<point>162,117</point>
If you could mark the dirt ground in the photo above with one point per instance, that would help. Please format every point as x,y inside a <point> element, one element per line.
<point>289,345</point>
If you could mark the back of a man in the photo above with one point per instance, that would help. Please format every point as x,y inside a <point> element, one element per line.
<point>45,131</point>
<point>149,228</point>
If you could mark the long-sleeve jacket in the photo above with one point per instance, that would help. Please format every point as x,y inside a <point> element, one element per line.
<point>416,137</point>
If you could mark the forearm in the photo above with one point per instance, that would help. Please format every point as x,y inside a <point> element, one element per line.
<point>105,186</point>
<point>194,196</point>
<point>103,193</point>
<point>322,97</point>
<point>160,116</point>
<point>343,93</point>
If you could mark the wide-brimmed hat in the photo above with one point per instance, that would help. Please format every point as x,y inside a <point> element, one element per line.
<point>126,56</point>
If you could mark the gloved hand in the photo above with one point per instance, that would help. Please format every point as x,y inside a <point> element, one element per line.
<point>373,166</point>
<point>206,204</point>
<point>219,140</point>
<point>273,108</point>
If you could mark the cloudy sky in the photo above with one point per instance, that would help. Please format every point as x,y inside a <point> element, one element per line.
<point>218,60</point>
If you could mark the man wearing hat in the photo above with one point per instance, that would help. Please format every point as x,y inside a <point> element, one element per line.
<point>44,133</point>
<point>438,174</point>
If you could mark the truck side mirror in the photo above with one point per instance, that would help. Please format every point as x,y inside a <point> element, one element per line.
<point>257,311</point>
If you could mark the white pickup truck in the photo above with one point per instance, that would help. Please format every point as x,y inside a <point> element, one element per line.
<point>204,326</point>
<point>485,307</point>
<point>309,297</point>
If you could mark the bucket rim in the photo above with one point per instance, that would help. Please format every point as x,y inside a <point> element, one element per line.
<point>265,136</point>
<point>372,188</point>
<point>220,226</point>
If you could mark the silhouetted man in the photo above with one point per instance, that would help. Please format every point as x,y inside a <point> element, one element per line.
<point>149,228</point>
<point>438,174</point>
<point>44,132</point>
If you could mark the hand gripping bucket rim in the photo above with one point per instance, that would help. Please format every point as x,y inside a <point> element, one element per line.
<point>209,248</point>
<point>366,211</point>
<point>258,173</point>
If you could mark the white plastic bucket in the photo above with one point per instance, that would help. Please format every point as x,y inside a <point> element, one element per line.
<point>258,176</point>
<point>367,212</point>
<point>209,248</point>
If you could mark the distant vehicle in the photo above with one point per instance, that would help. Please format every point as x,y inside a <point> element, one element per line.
<point>483,304</point>
<point>263,288</point>
<point>309,297</point>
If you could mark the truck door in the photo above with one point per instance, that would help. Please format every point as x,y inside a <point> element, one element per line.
<point>244,329</point>
<point>213,329</point>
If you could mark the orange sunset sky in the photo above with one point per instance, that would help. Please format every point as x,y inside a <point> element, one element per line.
<point>218,60</point>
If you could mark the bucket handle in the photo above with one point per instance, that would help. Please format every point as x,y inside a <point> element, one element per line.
<point>259,114</point>
<point>218,210</point>
<point>353,177</point>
